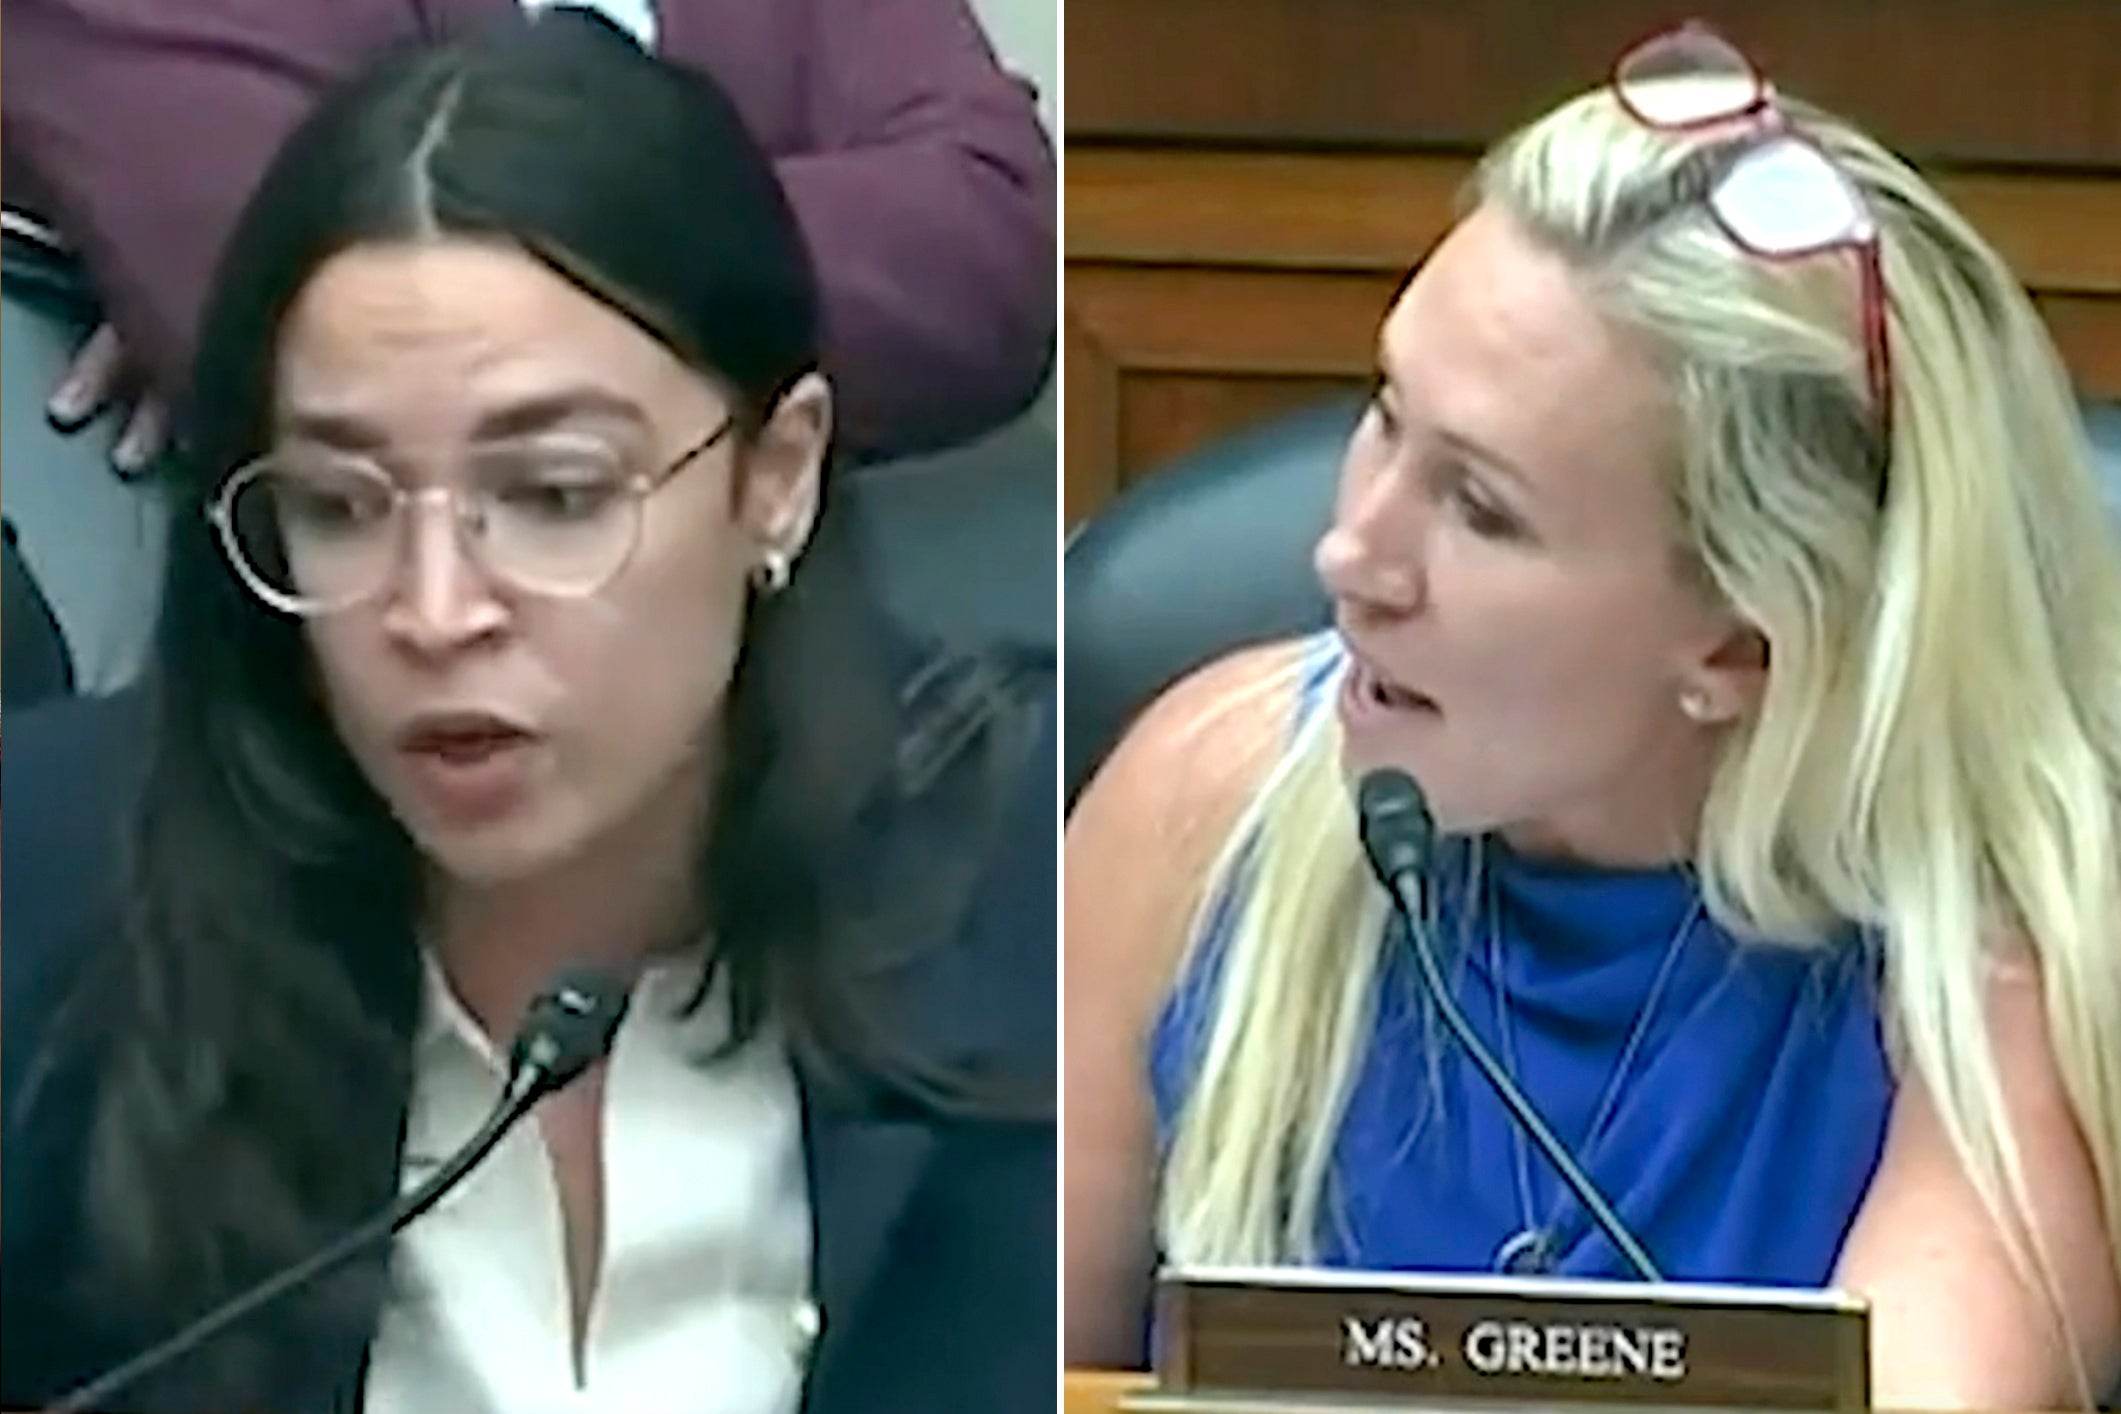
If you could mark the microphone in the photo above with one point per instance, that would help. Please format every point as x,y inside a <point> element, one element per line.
<point>569,1026</point>
<point>1397,835</point>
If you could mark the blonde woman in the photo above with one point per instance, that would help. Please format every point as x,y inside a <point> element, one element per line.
<point>1720,555</point>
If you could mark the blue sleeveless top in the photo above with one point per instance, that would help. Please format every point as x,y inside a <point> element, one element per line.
<point>1728,1098</point>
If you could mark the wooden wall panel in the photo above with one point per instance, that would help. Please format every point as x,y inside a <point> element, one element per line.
<point>1208,289</point>
<point>1090,466</point>
<point>2087,329</point>
<point>1970,81</point>
<point>1248,180</point>
<point>1199,319</point>
<point>1378,211</point>
<point>1164,415</point>
<point>1161,359</point>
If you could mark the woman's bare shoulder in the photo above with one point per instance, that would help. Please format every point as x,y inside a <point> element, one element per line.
<point>1954,1320</point>
<point>1204,744</point>
<point>1149,828</point>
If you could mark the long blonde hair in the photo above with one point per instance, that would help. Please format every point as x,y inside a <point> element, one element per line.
<point>1937,754</point>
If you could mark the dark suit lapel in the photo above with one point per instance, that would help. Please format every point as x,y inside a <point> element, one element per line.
<point>340,1322</point>
<point>863,1168</point>
<point>306,1355</point>
<point>346,1333</point>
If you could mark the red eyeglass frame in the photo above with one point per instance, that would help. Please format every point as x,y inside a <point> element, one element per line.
<point>1775,125</point>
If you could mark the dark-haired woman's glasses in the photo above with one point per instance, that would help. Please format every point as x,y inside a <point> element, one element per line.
<point>1782,198</point>
<point>318,534</point>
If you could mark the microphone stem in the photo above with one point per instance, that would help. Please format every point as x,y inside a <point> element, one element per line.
<point>1572,1174</point>
<point>517,1099</point>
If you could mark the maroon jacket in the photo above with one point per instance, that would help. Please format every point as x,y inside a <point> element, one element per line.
<point>917,167</point>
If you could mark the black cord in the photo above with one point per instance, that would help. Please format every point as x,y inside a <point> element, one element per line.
<point>1519,1106</point>
<point>505,1113</point>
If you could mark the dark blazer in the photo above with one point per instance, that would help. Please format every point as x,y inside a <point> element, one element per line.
<point>935,1239</point>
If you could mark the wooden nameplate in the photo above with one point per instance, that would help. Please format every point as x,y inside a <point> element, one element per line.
<point>1268,1341</point>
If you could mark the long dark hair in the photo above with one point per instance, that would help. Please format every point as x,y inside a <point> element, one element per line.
<point>259,1014</point>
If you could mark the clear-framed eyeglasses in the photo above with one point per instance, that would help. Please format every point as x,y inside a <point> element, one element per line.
<point>1780,198</point>
<point>321,533</point>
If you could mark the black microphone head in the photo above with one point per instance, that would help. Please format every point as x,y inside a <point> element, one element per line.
<point>1397,829</point>
<point>569,1027</point>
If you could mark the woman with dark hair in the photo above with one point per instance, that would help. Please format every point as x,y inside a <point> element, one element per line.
<point>508,629</point>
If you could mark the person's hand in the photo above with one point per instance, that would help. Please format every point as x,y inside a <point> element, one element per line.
<point>100,377</point>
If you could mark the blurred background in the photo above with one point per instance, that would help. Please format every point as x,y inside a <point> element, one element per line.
<point>984,513</point>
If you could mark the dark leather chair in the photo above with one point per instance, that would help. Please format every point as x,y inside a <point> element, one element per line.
<point>1212,553</point>
<point>1205,555</point>
<point>35,664</point>
<point>961,541</point>
<point>89,543</point>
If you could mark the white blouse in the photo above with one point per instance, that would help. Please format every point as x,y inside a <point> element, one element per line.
<point>703,1301</point>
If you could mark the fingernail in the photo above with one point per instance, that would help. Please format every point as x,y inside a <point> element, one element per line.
<point>66,406</point>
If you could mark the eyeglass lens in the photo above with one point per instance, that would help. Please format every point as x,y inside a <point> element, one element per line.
<point>1687,77</point>
<point>320,537</point>
<point>1786,198</point>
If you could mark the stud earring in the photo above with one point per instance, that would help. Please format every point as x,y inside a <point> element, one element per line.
<point>1694,703</point>
<point>770,575</point>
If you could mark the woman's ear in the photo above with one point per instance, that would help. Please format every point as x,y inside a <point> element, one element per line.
<point>785,468</point>
<point>1727,682</point>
